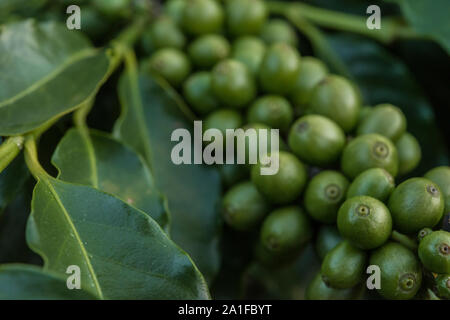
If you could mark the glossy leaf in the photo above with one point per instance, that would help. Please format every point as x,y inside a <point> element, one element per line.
<point>429,18</point>
<point>96,159</point>
<point>26,282</point>
<point>46,71</point>
<point>150,113</point>
<point>12,179</point>
<point>122,253</point>
<point>383,78</point>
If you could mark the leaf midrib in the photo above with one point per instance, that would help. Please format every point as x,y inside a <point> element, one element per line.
<point>52,75</point>
<point>77,237</point>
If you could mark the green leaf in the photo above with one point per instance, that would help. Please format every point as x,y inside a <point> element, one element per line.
<point>12,180</point>
<point>47,71</point>
<point>122,253</point>
<point>26,282</point>
<point>96,159</point>
<point>150,112</point>
<point>429,18</point>
<point>384,78</point>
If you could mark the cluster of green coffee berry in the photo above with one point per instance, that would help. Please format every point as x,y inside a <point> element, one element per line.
<point>236,67</point>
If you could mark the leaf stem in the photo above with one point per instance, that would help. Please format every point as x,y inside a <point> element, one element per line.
<point>9,150</point>
<point>391,28</point>
<point>32,160</point>
<point>404,240</point>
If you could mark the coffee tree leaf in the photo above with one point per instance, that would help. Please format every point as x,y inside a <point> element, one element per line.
<point>12,179</point>
<point>151,111</point>
<point>95,158</point>
<point>429,18</point>
<point>46,71</point>
<point>122,253</point>
<point>27,282</point>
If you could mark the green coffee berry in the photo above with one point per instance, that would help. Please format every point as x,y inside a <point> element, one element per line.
<point>434,251</point>
<point>401,273</point>
<point>316,140</point>
<point>202,17</point>
<point>243,207</point>
<point>369,151</point>
<point>279,69</point>
<point>324,195</point>
<point>441,176</point>
<point>250,51</point>
<point>274,111</point>
<point>207,50</point>
<point>245,17</point>
<point>233,84</point>
<point>278,30</point>
<point>336,98</point>
<point>312,71</point>
<point>415,204</point>
<point>376,183</point>
<point>384,119</point>
<point>286,230</point>
<point>198,93</point>
<point>409,153</point>
<point>171,64</point>
<point>318,290</point>
<point>365,222</point>
<point>165,33</point>
<point>287,184</point>
<point>344,266</point>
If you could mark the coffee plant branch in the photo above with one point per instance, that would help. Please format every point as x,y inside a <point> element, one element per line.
<point>11,148</point>
<point>392,28</point>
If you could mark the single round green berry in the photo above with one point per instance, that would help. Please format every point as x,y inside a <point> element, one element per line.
<point>274,111</point>
<point>316,140</point>
<point>202,17</point>
<point>175,9</point>
<point>243,207</point>
<point>415,204</point>
<point>233,84</point>
<point>369,151</point>
<point>287,184</point>
<point>245,17</point>
<point>250,51</point>
<point>279,69</point>
<point>198,93</point>
<point>278,30</point>
<point>441,176</point>
<point>233,173</point>
<point>171,64</point>
<point>318,290</point>
<point>324,195</point>
<point>312,71</point>
<point>364,112</point>
<point>336,98</point>
<point>223,119</point>
<point>423,233</point>
<point>328,238</point>
<point>207,50</point>
<point>286,230</point>
<point>401,273</point>
<point>165,33</point>
<point>443,285</point>
<point>409,153</point>
<point>384,119</point>
<point>376,183</point>
<point>434,251</point>
<point>344,266</point>
<point>365,222</point>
